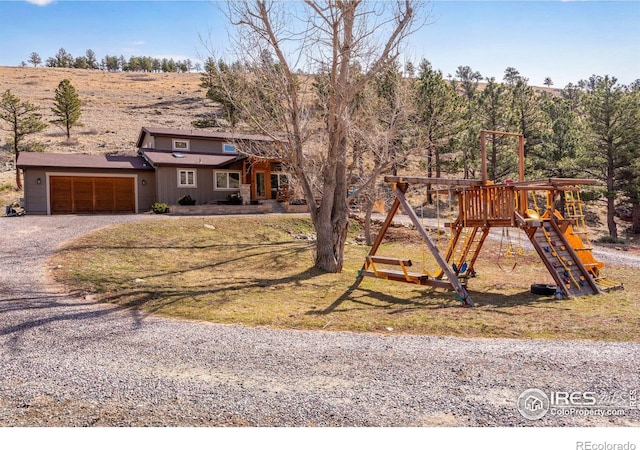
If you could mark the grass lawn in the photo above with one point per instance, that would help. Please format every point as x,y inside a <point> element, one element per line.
<point>259,272</point>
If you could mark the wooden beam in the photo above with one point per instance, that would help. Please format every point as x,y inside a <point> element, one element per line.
<point>451,277</point>
<point>432,181</point>
<point>483,156</point>
<point>380,236</point>
<point>570,181</point>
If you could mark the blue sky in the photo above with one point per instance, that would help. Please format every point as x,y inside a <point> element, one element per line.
<point>565,40</point>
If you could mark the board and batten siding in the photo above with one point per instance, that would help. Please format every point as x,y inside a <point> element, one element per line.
<point>203,193</point>
<point>195,145</point>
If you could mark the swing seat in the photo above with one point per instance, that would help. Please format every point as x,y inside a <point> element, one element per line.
<point>390,261</point>
<point>393,275</point>
<point>398,275</point>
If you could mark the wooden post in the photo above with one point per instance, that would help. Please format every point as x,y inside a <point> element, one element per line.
<point>483,156</point>
<point>381,233</point>
<point>453,279</point>
<point>522,201</point>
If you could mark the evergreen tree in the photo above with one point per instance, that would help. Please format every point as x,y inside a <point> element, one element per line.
<point>62,59</point>
<point>493,113</point>
<point>573,94</point>
<point>629,175</point>
<point>92,63</point>
<point>528,118</point>
<point>511,75</point>
<point>469,81</point>
<point>219,79</point>
<point>440,113</point>
<point>66,106</point>
<point>111,63</point>
<point>562,142</point>
<point>80,63</point>
<point>22,119</point>
<point>613,123</point>
<point>34,59</point>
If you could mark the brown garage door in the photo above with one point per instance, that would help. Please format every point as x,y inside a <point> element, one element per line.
<point>90,195</point>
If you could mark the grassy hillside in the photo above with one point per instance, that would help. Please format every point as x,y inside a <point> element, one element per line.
<point>114,105</point>
<point>114,108</point>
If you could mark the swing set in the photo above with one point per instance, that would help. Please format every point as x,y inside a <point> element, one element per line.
<point>561,242</point>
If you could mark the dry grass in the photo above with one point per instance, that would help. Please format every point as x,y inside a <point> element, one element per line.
<point>115,105</point>
<point>211,269</point>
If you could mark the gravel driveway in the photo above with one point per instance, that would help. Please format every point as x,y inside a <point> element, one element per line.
<point>66,360</point>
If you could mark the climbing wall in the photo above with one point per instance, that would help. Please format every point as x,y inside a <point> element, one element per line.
<point>566,268</point>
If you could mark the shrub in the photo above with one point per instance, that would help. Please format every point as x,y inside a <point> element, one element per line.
<point>205,123</point>
<point>610,240</point>
<point>186,201</point>
<point>234,199</point>
<point>160,208</point>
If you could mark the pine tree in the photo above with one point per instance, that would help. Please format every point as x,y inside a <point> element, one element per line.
<point>440,113</point>
<point>219,78</point>
<point>92,63</point>
<point>469,81</point>
<point>562,142</point>
<point>66,106</point>
<point>526,114</point>
<point>613,122</point>
<point>35,59</point>
<point>23,119</point>
<point>493,113</point>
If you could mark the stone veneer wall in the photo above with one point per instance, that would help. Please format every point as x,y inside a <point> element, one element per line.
<point>220,209</point>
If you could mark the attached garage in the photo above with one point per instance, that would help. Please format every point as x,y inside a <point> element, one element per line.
<point>86,184</point>
<point>91,195</point>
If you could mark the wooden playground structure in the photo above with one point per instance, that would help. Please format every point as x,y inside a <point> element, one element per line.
<point>561,242</point>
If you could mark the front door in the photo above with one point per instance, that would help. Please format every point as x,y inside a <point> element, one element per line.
<point>261,185</point>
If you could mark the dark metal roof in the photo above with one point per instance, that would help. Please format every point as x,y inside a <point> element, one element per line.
<point>214,135</point>
<point>168,158</point>
<point>81,161</point>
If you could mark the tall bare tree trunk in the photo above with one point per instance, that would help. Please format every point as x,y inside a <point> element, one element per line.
<point>341,33</point>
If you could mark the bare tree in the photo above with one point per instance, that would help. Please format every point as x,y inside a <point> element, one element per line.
<point>340,35</point>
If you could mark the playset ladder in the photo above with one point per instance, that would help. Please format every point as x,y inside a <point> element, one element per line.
<point>463,249</point>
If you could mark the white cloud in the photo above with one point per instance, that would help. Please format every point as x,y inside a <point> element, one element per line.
<point>137,43</point>
<point>40,2</point>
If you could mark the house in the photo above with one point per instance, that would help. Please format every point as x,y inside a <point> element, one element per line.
<point>170,164</point>
<point>208,166</point>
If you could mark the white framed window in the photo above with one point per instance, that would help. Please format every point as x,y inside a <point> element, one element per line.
<point>226,180</point>
<point>228,148</point>
<point>180,145</point>
<point>187,178</point>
